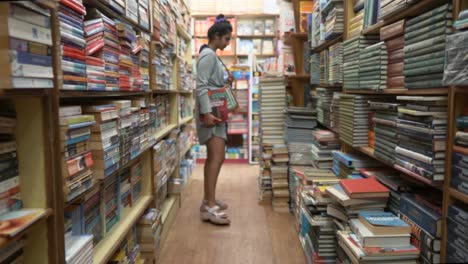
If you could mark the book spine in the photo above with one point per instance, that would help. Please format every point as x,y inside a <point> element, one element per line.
<point>23,30</point>
<point>29,16</point>
<point>393,30</point>
<point>428,15</point>
<point>424,44</point>
<point>420,216</point>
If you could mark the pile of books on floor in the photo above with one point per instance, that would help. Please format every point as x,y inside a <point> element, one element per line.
<point>129,249</point>
<point>300,121</point>
<point>357,22</point>
<point>385,121</point>
<point>71,17</point>
<point>325,96</point>
<point>425,47</point>
<point>393,35</point>
<point>324,143</point>
<point>272,101</point>
<point>149,234</point>
<point>335,64</point>
<point>456,240</point>
<point>280,188</point>
<point>351,50</point>
<point>346,165</point>
<point>373,67</point>
<point>75,143</point>
<point>422,132</point>
<point>334,18</point>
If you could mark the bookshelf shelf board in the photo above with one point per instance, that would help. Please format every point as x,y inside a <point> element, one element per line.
<point>161,134</point>
<point>164,91</point>
<point>370,152</point>
<point>88,94</point>
<point>6,241</point>
<point>328,85</point>
<point>14,93</point>
<point>327,44</point>
<point>458,195</point>
<point>186,92</point>
<point>461,89</point>
<point>413,10</point>
<point>185,151</point>
<point>106,248</point>
<point>302,36</point>
<point>256,36</point>
<point>442,90</point>
<point>166,207</point>
<point>299,76</point>
<point>186,120</point>
<point>183,33</point>
<point>104,8</point>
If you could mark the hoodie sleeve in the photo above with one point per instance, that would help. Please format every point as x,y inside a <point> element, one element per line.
<point>205,70</point>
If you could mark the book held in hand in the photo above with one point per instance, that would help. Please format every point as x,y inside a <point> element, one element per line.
<point>222,101</point>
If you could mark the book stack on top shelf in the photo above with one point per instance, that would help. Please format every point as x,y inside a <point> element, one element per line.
<point>356,23</point>
<point>394,40</point>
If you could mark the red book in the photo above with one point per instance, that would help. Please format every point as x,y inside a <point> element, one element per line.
<point>364,188</point>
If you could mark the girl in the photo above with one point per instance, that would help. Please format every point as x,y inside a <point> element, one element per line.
<point>212,133</point>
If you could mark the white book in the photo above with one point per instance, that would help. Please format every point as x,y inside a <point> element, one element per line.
<point>27,31</point>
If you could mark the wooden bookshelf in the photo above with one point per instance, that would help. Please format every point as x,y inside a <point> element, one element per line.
<point>432,91</point>
<point>186,120</point>
<point>327,44</point>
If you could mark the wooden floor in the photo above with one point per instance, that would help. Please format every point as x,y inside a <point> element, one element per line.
<point>256,234</point>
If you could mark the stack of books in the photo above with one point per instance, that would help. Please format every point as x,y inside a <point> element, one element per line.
<point>264,178</point>
<point>335,112</point>
<point>149,234</point>
<point>71,17</point>
<point>125,190</point>
<point>335,64</point>
<point>357,22</point>
<point>75,134</point>
<point>316,34</point>
<point>136,79</point>
<point>144,60</point>
<point>136,175</point>
<point>116,5</point>
<point>424,215</point>
<point>346,165</point>
<point>455,50</point>
<point>126,39</point>
<point>460,151</point>
<point>333,11</point>
<point>124,127</point>
<point>111,202</point>
<point>391,7</point>
<point>163,117</point>
<point>272,102</point>
<point>29,41</point>
<point>103,49</point>
<point>104,139</point>
<point>373,67</point>
<point>9,170</point>
<point>456,241</point>
<point>91,214</point>
<point>300,153</point>
<point>393,35</point>
<point>279,182</point>
<point>385,121</point>
<point>315,68</point>
<point>79,249</point>
<point>324,102</point>
<point>324,143</point>
<point>422,132</point>
<point>324,74</point>
<point>354,119</point>
<point>351,50</point>
<point>425,47</point>
<point>300,121</point>
<point>160,176</point>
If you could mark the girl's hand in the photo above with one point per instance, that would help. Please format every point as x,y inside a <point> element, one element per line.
<point>230,78</point>
<point>210,120</point>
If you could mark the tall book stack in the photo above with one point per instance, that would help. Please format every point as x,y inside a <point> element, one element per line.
<point>111,202</point>
<point>9,174</point>
<point>456,240</point>
<point>144,13</point>
<point>335,112</point>
<point>29,41</point>
<point>385,122</point>
<point>422,129</point>
<point>149,234</point>
<point>425,38</point>
<point>335,64</point>
<point>354,119</point>
<point>104,139</point>
<point>79,249</point>
<point>357,22</point>
<point>393,35</point>
<point>300,121</point>
<point>75,133</point>
<point>125,189</point>
<point>323,145</point>
<point>316,34</point>
<point>346,165</point>
<point>324,69</point>
<point>124,128</point>
<point>103,49</point>
<point>300,153</point>
<point>92,214</point>
<point>71,17</point>
<point>333,11</point>
<point>373,67</point>
<point>324,102</point>
<point>315,68</point>
<point>136,175</point>
<point>279,182</point>
<point>351,50</point>
<point>424,214</point>
<point>126,39</point>
<point>272,102</point>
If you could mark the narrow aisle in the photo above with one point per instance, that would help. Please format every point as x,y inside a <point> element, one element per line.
<point>256,234</point>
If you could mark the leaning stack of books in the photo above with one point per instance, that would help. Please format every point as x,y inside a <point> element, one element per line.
<point>149,234</point>
<point>385,121</point>
<point>333,11</point>
<point>126,38</point>
<point>28,41</point>
<point>71,16</point>
<point>422,132</point>
<point>425,43</point>
<point>75,133</point>
<point>393,35</point>
<point>324,143</point>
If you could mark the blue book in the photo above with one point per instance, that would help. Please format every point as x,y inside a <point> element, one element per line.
<point>384,223</point>
<point>426,216</point>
